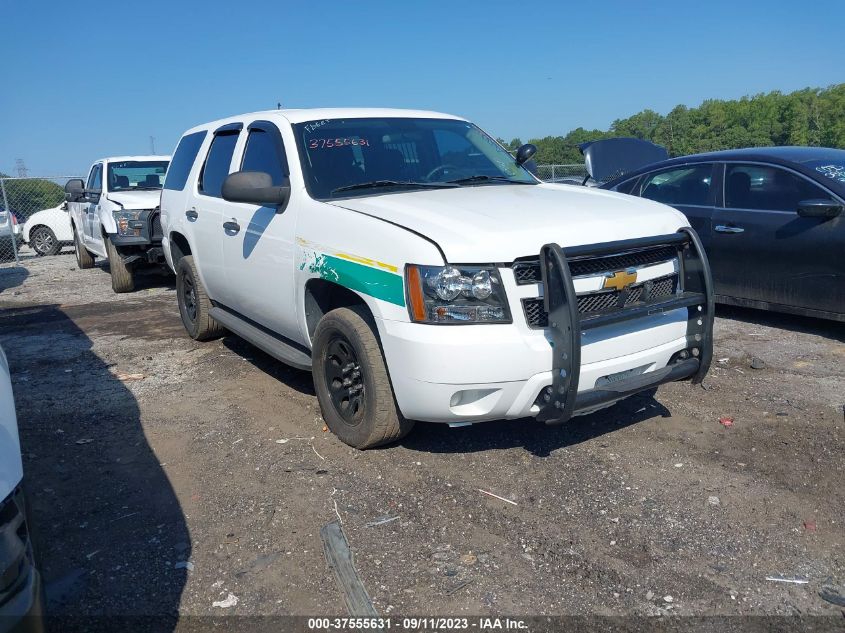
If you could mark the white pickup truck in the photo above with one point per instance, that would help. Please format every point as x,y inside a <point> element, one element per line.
<point>422,273</point>
<point>115,215</point>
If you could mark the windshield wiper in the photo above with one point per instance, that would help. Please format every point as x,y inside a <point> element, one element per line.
<point>485,178</point>
<point>375,184</point>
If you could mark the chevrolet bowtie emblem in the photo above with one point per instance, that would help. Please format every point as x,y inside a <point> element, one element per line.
<point>620,279</point>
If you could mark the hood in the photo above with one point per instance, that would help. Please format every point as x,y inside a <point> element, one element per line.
<point>136,199</point>
<point>500,223</point>
<point>11,470</point>
<point>613,157</point>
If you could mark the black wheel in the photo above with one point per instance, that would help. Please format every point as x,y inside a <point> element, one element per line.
<point>351,381</point>
<point>122,279</point>
<point>194,303</point>
<point>44,242</point>
<point>84,258</point>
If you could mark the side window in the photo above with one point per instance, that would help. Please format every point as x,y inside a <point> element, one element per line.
<point>183,160</point>
<point>688,185</point>
<point>95,178</point>
<point>217,163</point>
<point>767,188</point>
<point>626,187</point>
<point>265,152</point>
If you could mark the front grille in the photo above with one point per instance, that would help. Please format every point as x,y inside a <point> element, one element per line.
<point>155,226</point>
<point>602,302</point>
<point>527,271</point>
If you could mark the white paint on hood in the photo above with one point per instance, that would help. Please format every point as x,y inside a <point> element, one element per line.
<point>500,223</point>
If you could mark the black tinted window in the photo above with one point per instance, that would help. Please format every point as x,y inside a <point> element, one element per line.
<point>626,187</point>
<point>767,188</point>
<point>217,163</point>
<point>264,152</point>
<point>685,185</point>
<point>183,160</point>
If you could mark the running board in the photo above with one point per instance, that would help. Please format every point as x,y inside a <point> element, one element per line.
<point>262,339</point>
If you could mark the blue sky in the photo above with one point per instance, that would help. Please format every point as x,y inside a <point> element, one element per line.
<point>85,80</point>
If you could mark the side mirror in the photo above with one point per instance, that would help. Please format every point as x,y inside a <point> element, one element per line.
<point>63,206</point>
<point>74,190</point>
<point>255,187</point>
<point>525,152</point>
<point>819,208</point>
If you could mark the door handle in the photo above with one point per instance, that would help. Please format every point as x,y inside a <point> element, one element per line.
<point>191,214</point>
<point>231,226</point>
<point>721,228</point>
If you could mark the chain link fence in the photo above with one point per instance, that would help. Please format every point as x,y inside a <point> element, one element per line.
<point>33,221</point>
<point>567,174</point>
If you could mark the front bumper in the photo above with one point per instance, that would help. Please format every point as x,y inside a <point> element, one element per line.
<point>487,372</point>
<point>565,325</point>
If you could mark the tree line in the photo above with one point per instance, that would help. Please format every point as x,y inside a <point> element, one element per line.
<point>813,116</point>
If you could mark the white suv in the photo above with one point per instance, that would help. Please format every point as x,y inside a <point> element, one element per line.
<point>48,230</point>
<point>115,215</point>
<point>421,273</point>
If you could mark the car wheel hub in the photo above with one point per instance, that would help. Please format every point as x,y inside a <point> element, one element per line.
<point>345,380</point>
<point>189,295</point>
<point>43,241</point>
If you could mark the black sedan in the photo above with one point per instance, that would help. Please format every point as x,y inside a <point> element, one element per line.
<point>771,219</point>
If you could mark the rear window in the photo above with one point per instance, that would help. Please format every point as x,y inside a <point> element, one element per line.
<point>183,160</point>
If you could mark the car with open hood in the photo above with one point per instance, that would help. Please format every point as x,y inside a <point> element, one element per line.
<point>114,215</point>
<point>771,219</point>
<point>422,273</point>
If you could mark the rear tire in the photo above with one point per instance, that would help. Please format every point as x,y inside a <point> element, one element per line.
<point>44,242</point>
<point>84,258</point>
<point>122,279</point>
<point>351,381</point>
<point>194,304</point>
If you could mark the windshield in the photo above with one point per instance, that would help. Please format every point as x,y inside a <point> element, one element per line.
<point>135,175</point>
<point>356,157</point>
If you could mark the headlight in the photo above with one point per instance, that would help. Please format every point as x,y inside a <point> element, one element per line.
<point>128,222</point>
<point>456,294</point>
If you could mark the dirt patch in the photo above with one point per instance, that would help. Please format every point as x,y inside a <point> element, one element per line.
<point>216,456</point>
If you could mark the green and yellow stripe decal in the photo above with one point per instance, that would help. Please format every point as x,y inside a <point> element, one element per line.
<point>362,274</point>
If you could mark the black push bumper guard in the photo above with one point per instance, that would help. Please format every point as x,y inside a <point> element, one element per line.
<point>566,325</point>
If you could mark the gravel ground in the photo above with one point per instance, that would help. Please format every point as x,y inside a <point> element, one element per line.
<point>166,475</point>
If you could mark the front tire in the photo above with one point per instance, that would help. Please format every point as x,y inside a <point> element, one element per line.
<point>44,242</point>
<point>84,259</point>
<point>122,279</point>
<point>194,304</point>
<point>351,381</point>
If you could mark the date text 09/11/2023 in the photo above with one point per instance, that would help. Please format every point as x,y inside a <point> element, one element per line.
<point>417,624</point>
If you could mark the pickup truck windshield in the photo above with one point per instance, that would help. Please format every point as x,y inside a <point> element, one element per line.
<point>136,175</point>
<point>359,157</point>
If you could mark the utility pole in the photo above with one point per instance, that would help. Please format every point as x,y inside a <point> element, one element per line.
<point>21,167</point>
<point>152,145</point>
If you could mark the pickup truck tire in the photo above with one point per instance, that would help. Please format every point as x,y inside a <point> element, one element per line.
<point>84,258</point>
<point>351,381</point>
<point>194,303</point>
<point>122,279</point>
<point>44,242</point>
